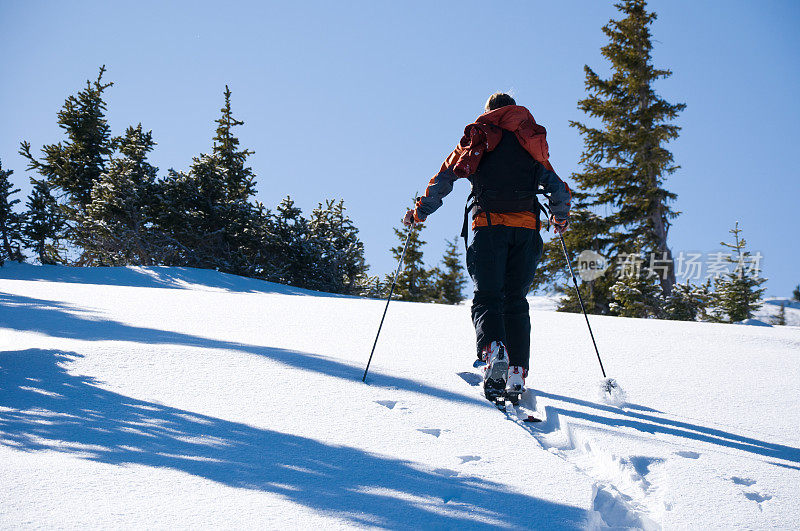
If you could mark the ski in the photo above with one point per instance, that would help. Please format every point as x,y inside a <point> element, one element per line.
<point>509,404</point>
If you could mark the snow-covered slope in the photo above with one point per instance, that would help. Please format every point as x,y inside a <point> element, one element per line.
<point>772,307</point>
<point>163,397</point>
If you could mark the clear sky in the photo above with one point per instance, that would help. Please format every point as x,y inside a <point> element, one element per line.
<point>362,100</point>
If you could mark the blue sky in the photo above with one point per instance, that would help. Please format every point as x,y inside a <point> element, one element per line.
<point>362,100</point>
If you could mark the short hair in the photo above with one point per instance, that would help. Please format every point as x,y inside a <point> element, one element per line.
<point>499,99</point>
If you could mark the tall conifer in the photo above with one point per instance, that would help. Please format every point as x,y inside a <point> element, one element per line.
<point>621,196</point>
<point>238,177</point>
<point>74,165</point>
<point>209,212</point>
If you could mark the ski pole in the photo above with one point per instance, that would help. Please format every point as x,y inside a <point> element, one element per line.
<point>391,290</point>
<point>580,299</point>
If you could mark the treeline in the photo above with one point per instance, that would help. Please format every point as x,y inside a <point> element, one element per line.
<point>97,201</point>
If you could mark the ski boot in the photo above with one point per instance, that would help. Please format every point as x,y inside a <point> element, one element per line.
<point>515,384</point>
<point>496,370</point>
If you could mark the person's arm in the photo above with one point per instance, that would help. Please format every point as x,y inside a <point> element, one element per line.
<point>558,192</point>
<point>438,187</point>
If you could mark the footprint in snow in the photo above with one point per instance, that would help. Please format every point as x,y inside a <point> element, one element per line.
<point>446,472</point>
<point>387,403</point>
<point>688,455</point>
<point>431,431</point>
<point>757,497</point>
<point>468,458</point>
<point>642,464</point>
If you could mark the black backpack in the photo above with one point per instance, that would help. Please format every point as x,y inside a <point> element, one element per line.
<point>506,181</point>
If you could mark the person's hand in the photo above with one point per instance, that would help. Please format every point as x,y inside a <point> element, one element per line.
<point>559,225</point>
<point>408,219</point>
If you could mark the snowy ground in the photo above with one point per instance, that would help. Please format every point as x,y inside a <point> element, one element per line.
<point>179,398</point>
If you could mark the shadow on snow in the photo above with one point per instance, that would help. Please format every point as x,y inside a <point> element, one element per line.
<point>647,422</point>
<point>46,408</point>
<point>63,320</point>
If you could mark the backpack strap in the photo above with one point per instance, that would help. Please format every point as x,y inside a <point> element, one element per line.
<point>545,210</point>
<point>471,202</point>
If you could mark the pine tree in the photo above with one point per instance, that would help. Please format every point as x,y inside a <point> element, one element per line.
<point>687,302</point>
<point>796,294</point>
<point>198,217</point>
<point>73,166</point>
<point>239,178</point>
<point>737,294</point>
<point>450,279</point>
<point>292,253</point>
<point>780,319</point>
<point>414,282</point>
<point>596,293</point>
<point>706,295</point>
<point>341,254</point>
<point>637,293</point>
<point>44,226</point>
<point>621,196</point>
<point>209,213</point>
<point>11,222</point>
<point>117,227</point>
<point>374,288</point>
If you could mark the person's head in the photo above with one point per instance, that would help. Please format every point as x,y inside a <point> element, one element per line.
<point>497,100</point>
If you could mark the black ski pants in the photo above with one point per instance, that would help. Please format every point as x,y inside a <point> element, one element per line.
<point>502,261</point>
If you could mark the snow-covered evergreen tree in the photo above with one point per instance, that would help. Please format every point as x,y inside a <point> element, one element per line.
<point>449,278</point>
<point>11,222</point>
<point>637,293</point>
<point>341,263</point>
<point>737,294</point>
<point>374,288</point>
<point>116,227</point>
<point>44,225</point>
<point>687,302</point>
<point>415,281</point>
<point>621,195</point>
<point>291,251</point>
<point>209,213</point>
<point>796,294</point>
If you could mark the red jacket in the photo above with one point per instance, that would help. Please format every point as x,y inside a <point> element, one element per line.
<point>483,136</point>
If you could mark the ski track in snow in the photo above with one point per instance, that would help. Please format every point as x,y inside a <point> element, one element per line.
<point>627,492</point>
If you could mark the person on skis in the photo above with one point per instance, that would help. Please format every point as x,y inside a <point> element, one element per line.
<point>504,155</point>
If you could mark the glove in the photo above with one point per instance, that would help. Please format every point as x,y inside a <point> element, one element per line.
<point>559,225</point>
<point>409,218</point>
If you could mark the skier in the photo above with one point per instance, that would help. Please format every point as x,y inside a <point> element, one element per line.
<point>504,154</point>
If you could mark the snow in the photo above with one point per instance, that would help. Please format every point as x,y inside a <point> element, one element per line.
<point>172,397</point>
